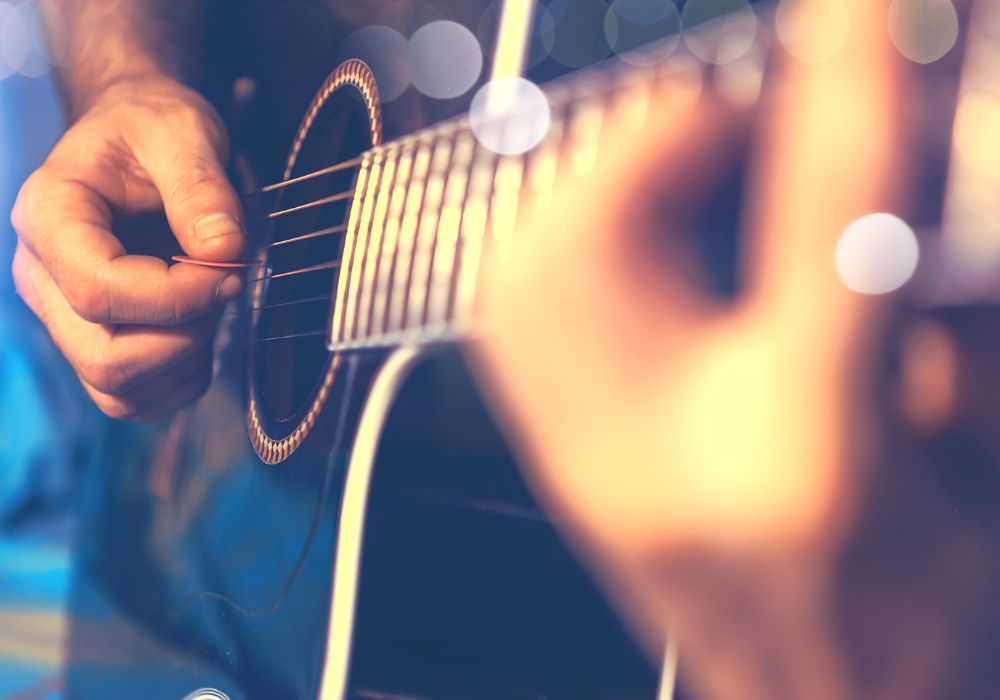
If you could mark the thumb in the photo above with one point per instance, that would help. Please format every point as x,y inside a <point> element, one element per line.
<point>200,203</point>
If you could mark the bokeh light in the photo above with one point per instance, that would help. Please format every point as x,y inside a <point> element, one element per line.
<point>579,32</point>
<point>877,254</point>
<point>15,41</point>
<point>651,25</point>
<point>46,38</point>
<point>385,51</point>
<point>445,59</point>
<point>923,30</point>
<point>719,31</point>
<point>812,31</point>
<point>510,116</point>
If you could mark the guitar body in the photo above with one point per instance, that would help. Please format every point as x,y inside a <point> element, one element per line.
<point>373,538</point>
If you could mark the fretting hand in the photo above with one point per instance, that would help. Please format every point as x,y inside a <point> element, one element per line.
<point>715,461</point>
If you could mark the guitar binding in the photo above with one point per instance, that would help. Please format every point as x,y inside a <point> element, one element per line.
<point>277,427</point>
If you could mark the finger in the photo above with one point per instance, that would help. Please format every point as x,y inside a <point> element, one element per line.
<point>201,204</point>
<point>108,359</point>
<point>831,154</point>
<point>160,396</point>
<point>66,224</point>
<point>623,271</point>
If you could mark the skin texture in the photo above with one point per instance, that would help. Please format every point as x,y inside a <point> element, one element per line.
<point>739,469</point>
<point>720,466</point>
<point>137,332</point>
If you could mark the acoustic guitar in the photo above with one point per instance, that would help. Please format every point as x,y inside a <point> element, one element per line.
<point>373,537</point>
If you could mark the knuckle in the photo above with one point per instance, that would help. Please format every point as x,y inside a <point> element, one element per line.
<point>28,201</point>
<point>165,310</point>
<point>186,116</point>
<point>90,300</point>
<point>106,375</point>
<point>193,181</point>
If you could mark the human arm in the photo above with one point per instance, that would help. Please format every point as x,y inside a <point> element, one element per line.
<point>137,332</point>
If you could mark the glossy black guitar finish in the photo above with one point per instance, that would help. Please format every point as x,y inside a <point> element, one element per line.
<point>204,567</point>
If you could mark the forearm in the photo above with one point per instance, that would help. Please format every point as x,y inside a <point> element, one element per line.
<point>114,40</point>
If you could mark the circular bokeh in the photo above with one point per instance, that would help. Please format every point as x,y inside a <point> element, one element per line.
<point>510,116</point>
<point>643,32</point>
<point>445,59</point>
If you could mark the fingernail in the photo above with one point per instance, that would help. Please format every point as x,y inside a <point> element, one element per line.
<point>229,288</point>
<point>216,226</point>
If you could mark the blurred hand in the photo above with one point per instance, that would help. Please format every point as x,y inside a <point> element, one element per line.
<point>137,332</point>
<point>710,458</point>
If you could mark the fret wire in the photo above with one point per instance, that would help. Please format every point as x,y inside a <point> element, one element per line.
<point>400,190</point>
<point>556,93</point>
<point>423,252</point>
<point>339,320</point>
<point>307,236</point>
<point>377,245</point>
<point>449,212</point>
<point>399,296</point>
<point>425,135</point>
<point>585,123</point>
<point>542,164</point>
<point>504,205</point>
<point>559,97</point>
<point>361,254</point>
<point>475,221</point>
<point>449,227</point>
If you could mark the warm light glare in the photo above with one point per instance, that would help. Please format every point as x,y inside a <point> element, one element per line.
<point>719,31</point>
<point>977,132</point>
<point>543,28</point>
<point>445,59</point>
<point>923,30</point>
<point>877,254</point>
<point>812,31</point>
<point>510,116</point>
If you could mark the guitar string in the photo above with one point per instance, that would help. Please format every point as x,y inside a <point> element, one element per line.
<point>376,154</point>
<point>414,142</point>
<point>292,336</point>
<point>299,565</point>
<point>308,236</point>
<point>297,302</point>
<point>331,265</point>
<point>332,230</point>
<point>555,92</point>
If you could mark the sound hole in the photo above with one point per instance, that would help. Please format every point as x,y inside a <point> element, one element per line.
<point>302,264</point>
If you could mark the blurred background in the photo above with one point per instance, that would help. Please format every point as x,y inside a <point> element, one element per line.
<point>49,432</point>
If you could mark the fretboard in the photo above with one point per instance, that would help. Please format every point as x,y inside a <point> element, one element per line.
<point>429,208</point>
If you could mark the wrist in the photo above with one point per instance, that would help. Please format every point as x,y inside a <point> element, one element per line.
<point>86,95</point>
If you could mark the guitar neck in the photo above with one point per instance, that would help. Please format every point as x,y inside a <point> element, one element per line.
<point>430,207</point>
